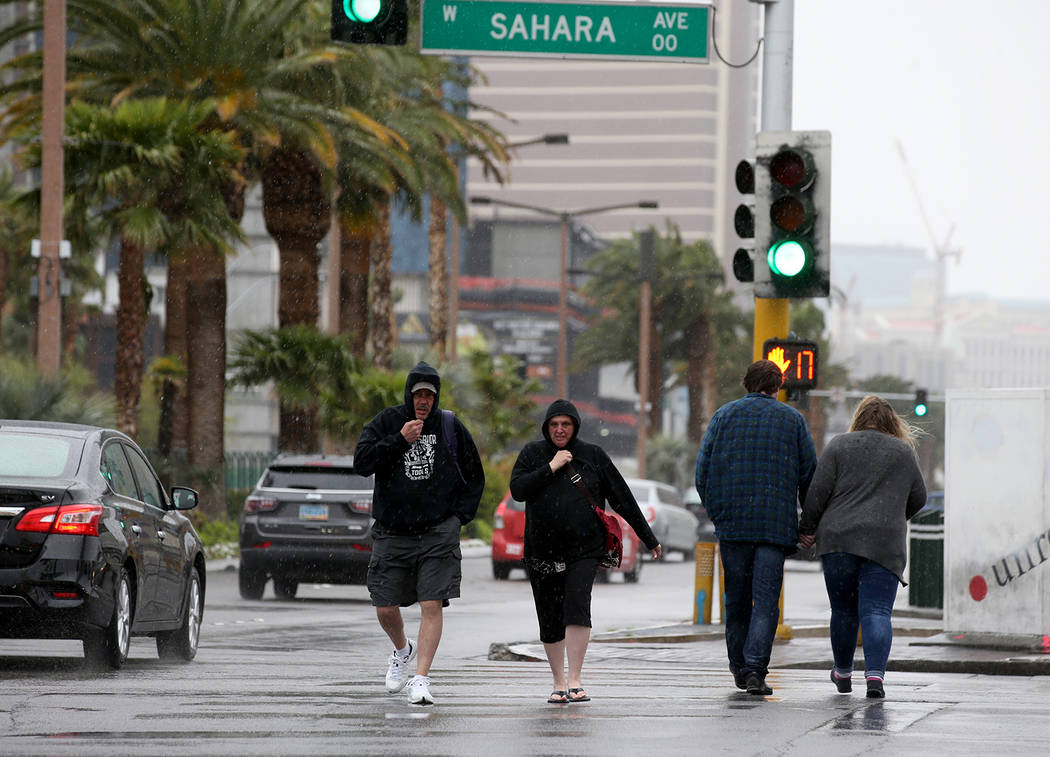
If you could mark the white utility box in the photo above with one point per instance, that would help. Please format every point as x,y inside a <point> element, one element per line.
<point>997,512</point>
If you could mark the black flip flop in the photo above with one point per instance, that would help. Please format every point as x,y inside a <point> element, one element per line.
<point>559,693</point>
<point>583,698</point>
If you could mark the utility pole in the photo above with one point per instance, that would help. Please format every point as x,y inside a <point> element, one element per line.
<point>49,271</point>
<point>646,251</point>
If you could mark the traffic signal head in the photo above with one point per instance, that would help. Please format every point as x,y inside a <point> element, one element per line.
<point>744,221</point>
<point>370,22</point>
<point>921,407</point>
<point>798,362</point>
<point>792,214</point>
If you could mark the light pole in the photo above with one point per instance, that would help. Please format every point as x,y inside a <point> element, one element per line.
<point>564,217</point>
<point>453,283</point>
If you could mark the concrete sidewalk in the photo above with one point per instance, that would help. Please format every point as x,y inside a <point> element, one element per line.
<point>920,642</point>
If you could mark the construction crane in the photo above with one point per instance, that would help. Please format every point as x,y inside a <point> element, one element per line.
<point>941,251</point>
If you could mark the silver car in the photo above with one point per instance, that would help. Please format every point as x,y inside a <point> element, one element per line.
<point>663,507</point>
<point>706,529</point>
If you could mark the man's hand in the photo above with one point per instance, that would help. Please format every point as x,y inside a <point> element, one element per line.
<point>807,540</point>
<point>412,430</point>
<point>776,355</point>
<point>561,458</point>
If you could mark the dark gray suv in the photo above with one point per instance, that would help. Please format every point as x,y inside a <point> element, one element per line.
<point>308,519</point>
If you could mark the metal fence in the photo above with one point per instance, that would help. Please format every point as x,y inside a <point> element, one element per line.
<point>243,469</point>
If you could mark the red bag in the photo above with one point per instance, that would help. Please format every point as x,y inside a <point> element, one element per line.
<point>613,532</point>
<point>613,539</point>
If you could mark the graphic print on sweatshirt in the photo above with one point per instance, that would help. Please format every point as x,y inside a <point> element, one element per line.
<point>419,460</point>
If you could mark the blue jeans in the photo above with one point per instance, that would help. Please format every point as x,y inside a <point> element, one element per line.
<point>753,575</point>
<point>861,593</point>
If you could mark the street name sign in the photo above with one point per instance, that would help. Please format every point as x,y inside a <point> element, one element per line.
<point>602,30</point>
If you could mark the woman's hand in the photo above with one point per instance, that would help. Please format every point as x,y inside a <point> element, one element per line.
<point>561,458</point>
<point>807,540</point>
<point>656,551</point>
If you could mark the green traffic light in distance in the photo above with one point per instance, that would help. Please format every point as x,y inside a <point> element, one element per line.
<point>787,258</point>
<point>920,410</point>
<point>362,10</point>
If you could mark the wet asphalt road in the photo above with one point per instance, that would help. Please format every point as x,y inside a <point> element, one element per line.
<point>305,677</point>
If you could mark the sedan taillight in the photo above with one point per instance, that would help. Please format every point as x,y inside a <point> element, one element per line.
<point>67,519</point>
<point>259,504</point>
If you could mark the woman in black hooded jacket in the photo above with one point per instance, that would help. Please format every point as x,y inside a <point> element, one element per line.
<point>564,538</point>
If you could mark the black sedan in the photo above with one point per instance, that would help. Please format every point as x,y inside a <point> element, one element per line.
<point>92,547</point>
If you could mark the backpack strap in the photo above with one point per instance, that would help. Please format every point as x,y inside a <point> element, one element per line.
<point>448,433</point>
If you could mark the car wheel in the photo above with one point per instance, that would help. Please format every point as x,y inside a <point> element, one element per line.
<point>110,645</point>
<point>631,576</point>
<point>251,583</point>
<point>500,571</point>
<point>181,644</point>
<point>285,588</point>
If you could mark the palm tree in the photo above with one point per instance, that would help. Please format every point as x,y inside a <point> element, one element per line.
<point>687,303</point>
<point>434,130</point>
<point>236,55</point>
<point>16,229</point>
<point>266,67</point>
<point>129,162</point>
<point>303,363</point>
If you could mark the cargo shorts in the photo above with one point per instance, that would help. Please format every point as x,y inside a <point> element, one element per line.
<point>405,569</point>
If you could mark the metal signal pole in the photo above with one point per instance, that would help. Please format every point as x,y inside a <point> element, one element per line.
<point>771,315</point>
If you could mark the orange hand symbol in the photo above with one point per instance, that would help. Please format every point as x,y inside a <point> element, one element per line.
<point>776,355</point>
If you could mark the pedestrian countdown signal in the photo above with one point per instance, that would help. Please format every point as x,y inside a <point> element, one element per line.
<point>798,361</point>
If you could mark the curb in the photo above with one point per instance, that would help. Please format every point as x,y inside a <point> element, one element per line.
<point>687,633</point>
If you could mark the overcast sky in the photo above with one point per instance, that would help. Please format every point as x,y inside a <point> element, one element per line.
<point>965,87</point>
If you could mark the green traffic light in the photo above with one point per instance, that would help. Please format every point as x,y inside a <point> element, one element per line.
<point>362,10</point>
<point>920,410</point>
<point>787,258</point>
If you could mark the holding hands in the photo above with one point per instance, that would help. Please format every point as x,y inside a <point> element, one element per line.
<point>807,540</point>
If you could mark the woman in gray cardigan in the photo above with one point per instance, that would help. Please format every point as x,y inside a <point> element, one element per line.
<point>866,487</point>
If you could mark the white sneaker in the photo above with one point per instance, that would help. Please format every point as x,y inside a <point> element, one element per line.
<point>419,691</point>
<point>397,670</point>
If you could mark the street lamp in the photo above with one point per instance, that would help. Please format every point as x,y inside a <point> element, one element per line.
<point>453,284</point>
<point>564,217</point>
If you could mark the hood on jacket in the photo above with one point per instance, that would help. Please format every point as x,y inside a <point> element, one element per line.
<point>425,373</point>
<point>562,407</point>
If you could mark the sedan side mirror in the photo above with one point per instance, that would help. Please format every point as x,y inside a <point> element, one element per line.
<point>183,498</point>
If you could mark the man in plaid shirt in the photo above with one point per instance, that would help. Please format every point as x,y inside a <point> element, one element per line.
<point>754,467</point>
